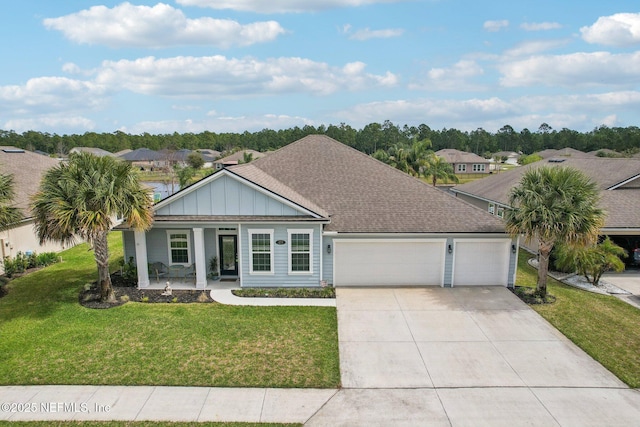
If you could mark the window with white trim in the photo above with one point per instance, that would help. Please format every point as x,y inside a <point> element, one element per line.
<point>478,168</point>
<point>500,212</point>
<point>300,251</point>
<point>179,247</point>
<point>261,251</point>
<point>492,208</point>
<point>462,167</point>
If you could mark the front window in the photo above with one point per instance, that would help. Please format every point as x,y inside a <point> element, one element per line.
<point>261,251</point>
<point>300,251</point>
<point>462,168</point>
<point>478,168</point>
<point>179,250</point>
<point>492,208</point>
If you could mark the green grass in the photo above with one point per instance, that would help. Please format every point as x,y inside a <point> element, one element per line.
<point>135,424</point>
<point>48,338</point>
<point>605,327</point>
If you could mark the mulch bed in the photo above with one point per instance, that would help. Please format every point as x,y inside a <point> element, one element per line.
<point>90,298</point>
<point>530,296</point>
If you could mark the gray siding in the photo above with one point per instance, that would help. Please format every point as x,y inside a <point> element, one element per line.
<point>327,260</point>
<point>128,239</point>
<point>281,276</point>
<point>474,201</point>
<point>226,196</point>
<point>448,264</point>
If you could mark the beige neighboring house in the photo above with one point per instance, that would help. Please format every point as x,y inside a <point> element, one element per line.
<point>236,158</point>
<point>463,162</point>
<point>27,169</point>
<point>617,178</point>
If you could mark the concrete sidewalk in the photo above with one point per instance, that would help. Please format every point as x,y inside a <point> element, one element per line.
<point>102,403</point>
<point>223,295</point>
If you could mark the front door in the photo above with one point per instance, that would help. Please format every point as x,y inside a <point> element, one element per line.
<point>228,255</point>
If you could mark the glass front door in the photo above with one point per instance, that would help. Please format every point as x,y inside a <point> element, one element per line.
<point>228,255</point>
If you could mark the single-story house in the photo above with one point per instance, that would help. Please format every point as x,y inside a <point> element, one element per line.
<point>319,212</point>
<point>27,169</point>
<point>463,162</point>
<point>617,178</point>
<point>209,156</point>
<point>563,153</point>
<point>145,158</point>
<point>236,158</point>
<point>511,157</point>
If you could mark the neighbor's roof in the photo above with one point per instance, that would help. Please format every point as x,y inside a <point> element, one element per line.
<point>451,155</point>
<point>27,169</point>
<point>606,172</point>
<point>92,150</point>
<point>363,195</point>
<point>239,155</point>
<point>141,155</point>
<point>563,152</point>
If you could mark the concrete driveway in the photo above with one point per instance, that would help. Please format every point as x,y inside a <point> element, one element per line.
<point>464,356</point>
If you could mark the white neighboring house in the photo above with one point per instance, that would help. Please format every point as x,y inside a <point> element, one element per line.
<point>27,169</point>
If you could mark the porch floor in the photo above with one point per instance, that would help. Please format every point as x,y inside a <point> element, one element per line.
<point>181,284</point>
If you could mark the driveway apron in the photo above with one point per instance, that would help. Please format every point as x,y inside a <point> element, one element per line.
<point>464,356</point>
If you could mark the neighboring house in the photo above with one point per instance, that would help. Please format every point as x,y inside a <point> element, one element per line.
<point>317,211</point>
<point>236,158</point>
<point>91,150</point>
<point>122,152</point>
<point>144,159</point>
<point>511,157</point>
<point>209,156</point>
<point>27,169</point>
<point>617,178</point>
<point>463,162</point>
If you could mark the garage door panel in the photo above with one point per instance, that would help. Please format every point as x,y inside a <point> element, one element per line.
<point>482,263</point>
<point>375,263</point>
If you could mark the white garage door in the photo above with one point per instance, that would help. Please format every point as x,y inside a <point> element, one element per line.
<point>388,262</point>
<point>481,262</point>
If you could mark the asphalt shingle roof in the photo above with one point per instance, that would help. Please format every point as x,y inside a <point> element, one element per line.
<point>622,205</point>
<point>27,169</point>
<point>456,156</point>
<point>363,195</point>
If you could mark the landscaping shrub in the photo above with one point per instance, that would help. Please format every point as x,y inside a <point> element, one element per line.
<point>22,262</point>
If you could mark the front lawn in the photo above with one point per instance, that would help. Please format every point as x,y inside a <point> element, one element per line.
<point>607,328</point>
<point>49,338</point>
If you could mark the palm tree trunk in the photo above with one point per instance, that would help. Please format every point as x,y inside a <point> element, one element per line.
<point>101,254</point>
<point>544,250</point>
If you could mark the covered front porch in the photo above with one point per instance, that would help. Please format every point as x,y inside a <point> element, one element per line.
<point>189,285</point>
<point>187,257</point>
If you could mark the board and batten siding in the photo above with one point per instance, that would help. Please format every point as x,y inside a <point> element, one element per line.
<point>227,196</point>
<point>280,276</point>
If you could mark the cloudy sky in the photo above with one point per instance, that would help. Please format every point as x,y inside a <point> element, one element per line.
<point>233,65</point>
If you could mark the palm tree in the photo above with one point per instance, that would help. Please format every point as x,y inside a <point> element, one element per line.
<point>8,214</point>
<point>554,205</point>
<point>437,168</point>
<point>82,198</point>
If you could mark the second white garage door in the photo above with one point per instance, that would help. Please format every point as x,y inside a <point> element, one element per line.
<point>388,262</point>
<point>481,262</point>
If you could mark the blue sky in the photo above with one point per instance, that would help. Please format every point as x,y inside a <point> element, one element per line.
<point>233,65</point>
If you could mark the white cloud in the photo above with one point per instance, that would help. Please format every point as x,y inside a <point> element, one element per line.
<point>281,6</point>
<point>367,34</point>
<point>581,112</point>
<point>576,69</point>
<point>620,30</point>
<point>535,46</point>
<point>159,26</point>
<point>218,124</point>
<point>231,77</point>
<point>494,26</point>
<point>540,26</point>
<point>51,94</point>
<point>55,123</point>
<point>456,77</point>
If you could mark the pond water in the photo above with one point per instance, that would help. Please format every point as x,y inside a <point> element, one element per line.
<point>162,190</point>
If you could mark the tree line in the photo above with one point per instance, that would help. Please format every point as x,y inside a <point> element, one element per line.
<point>369,139</point>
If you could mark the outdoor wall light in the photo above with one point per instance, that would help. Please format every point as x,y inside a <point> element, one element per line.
<point>513,248</point>
<point>450,249</point>
<point>329,248</point>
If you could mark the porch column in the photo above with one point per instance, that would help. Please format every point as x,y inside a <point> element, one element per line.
<point>141,258</point>
<point>200,260</point>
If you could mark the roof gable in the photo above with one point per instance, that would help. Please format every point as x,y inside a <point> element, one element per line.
<point>228,194</point>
